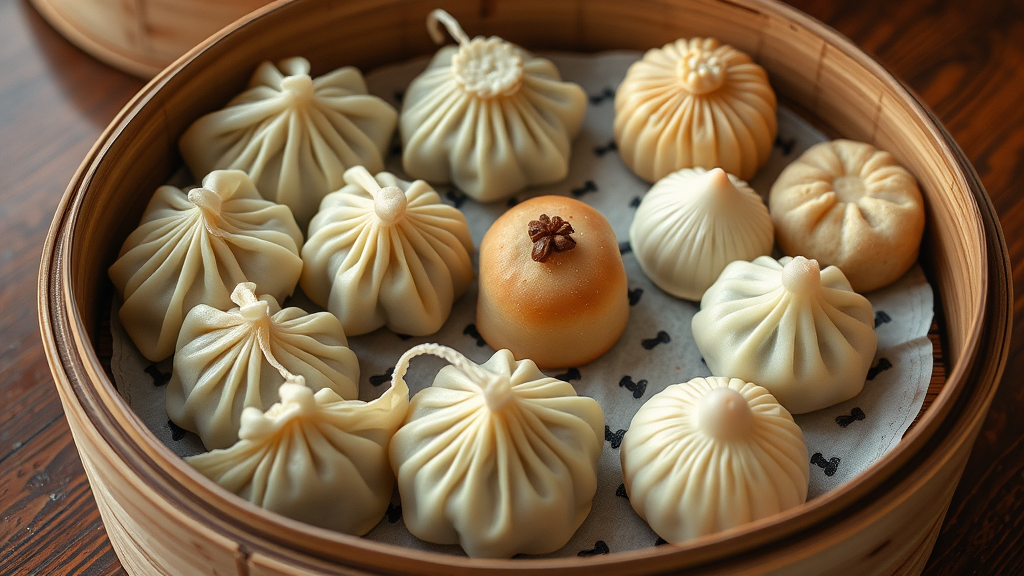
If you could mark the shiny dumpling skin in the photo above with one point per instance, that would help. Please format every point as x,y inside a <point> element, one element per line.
<point>294,135</point>
<point>403,273</point>
<point>490,145</point>
<point>221,365</point>
<point>517,479</point>
<point>665,120</point>
<point>692,223</point>
<point>193,248</point>
<point>316,458</point>
<point>712,454</point>
<point>850,205</point>
<point>803,334</point>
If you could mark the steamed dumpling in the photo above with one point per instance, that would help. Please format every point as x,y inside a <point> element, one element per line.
<point>498,458</point>
<point>194,248</point>
<point>294,135</point>
<point>228,361</point>
<point>488,116</point>
<point>692,223</point>
<point>803,334</point>
<point>695,103</point>
<point>315,458</point>
<point>712,454</point>
<point>850,205</point>
<point>385,252</point>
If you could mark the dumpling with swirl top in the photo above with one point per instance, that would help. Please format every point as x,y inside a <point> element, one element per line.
<point>488,116</point>
<point>693,103</point>
<point>799,331</point>
<point>386,252</point>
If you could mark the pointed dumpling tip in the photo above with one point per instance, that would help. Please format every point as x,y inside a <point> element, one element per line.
<point>801,275</point>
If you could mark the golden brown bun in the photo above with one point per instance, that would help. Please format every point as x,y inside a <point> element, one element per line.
<point>565,311</point>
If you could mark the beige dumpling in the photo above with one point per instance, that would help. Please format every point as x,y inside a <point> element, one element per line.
<point>228,361</point>
<point>194,248</point>
<point>386,252</point>
<point>712,454</point>
<point>552,284</point>
<point>800,332</point>
<point>294,135</point>
<point>693,223</point>
<point>498,458</point>
<point>850,205</point>
<point>695,103</point>
<point>488,116</point>
<point>315,458</point>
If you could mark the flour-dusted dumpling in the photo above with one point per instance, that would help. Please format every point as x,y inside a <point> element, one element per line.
<point>695,103</point>
<point>803,334</point>
<point>314,457</point>
<point>850,205</point>
<point>692,223</point>
<point>488,116</point>
<point>383,251</point>
<point>228,361</point>
<point>194,248</point>
<point>294,135</point>
<point>712,454</point>
<point>498,458</point>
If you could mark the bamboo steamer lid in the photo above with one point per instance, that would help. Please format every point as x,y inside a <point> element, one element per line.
<point>159,512</point>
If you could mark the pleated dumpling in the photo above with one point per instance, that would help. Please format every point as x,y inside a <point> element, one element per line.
<point>194,248</point>
<point>498,458</point>
<point>850,205</point>
<point>712,454</point>
<point>228,361</point>
<point>800,332</point>
<point>294,135</point>
<point>488,116</point>
<point>695,103</point>
<point>315,458</point>
<point>383,251</point>
<point>693,223</point>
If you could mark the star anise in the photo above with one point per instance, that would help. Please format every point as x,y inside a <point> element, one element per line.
<point>550,235</point>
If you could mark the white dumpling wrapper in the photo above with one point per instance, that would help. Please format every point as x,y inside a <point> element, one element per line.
<point>850,205</point>
<point>194,248</point>
<point>488,116</point>
<point>294,135</point>
<point>498,458</point>
<point>386,252</point>
<point>228,361</point>
<point>695,102</point>
<point>803,334</point>
<point>712,454</point>
<point>316,458</point>
<point>694,222</point>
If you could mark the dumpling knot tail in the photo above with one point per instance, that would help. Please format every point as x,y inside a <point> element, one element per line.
<point>550,235</point>
<point>389,202</point>
<point>496,388</point>
<point>209,204</point>
<point>257,312</point>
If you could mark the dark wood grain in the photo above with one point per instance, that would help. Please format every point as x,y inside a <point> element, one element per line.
<point>966,60</point>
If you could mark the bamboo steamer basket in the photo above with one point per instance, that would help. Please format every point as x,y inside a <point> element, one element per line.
<point>141,37</point>
<point>164,517</point>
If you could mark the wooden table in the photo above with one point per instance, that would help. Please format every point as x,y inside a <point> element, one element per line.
<point>965,60</point>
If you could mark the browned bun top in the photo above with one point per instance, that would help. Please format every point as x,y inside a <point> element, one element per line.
<point>581,280</point>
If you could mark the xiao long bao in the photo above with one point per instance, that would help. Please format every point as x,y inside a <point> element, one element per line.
<point>314,457</point>
<point>695,103</point>
<point>800,332</point>
<point>497,458</point>
<point>386,252</point>
<point>488,116</point>
<point>194,248</point>
<point>228,361</point>
<point>294,135</point>
<point>712,454</point>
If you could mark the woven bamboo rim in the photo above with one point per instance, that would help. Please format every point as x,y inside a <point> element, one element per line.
<point>963,229</point>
